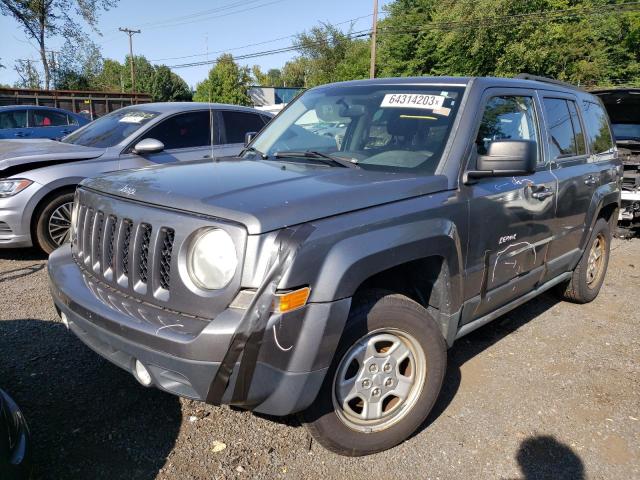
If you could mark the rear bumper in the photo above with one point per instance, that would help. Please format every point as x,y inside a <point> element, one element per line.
<point>183,354</point>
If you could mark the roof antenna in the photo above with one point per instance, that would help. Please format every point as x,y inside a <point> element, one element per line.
<point>211,130</point>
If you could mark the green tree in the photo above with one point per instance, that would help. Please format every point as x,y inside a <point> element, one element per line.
<point>332,55</point>
<point>295,72</point>
<point>111,77</point>
<point>28,75</point>
<point>581,41</point>
<point>43,19</point>
<point>227,82</point>
<point>169,87</point>
<point>77,65</point>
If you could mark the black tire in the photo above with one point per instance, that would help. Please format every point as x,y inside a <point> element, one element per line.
<point>43,238</point>
<point>371,312</point>
<point>580,289</point>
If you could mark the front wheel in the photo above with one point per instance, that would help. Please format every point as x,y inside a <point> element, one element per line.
<point>53,222</point>
<point>384,380</point>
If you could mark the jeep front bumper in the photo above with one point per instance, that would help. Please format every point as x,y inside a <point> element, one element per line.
<point>183,354</point>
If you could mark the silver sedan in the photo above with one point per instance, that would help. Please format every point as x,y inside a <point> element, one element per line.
<point>38,177</point>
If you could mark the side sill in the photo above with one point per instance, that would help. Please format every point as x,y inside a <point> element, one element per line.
<point>470,327</point>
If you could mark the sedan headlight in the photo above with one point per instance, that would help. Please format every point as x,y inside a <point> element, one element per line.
<point>212,259</point>
<point>10,187</point>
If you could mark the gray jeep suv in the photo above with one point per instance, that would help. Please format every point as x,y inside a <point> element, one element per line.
<point>329,275</point>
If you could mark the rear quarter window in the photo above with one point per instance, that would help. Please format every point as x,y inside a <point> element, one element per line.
<point>597,126</point>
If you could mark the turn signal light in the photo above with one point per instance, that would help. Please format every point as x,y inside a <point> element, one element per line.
<point>285,302</point>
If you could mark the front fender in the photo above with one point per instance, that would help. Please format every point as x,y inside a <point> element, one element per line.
<point>353,260</point>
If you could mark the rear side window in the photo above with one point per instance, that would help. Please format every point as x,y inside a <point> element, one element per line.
<point>48,118</point>
<point>13,119</point>
<point>186,130</point>
<point>565,133</point>
<point>507,118</point>
<point>237,124</point>
<point>597,126</point>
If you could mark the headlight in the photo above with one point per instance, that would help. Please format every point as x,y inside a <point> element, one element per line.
<point>10,187</point>
<point>212,259</point>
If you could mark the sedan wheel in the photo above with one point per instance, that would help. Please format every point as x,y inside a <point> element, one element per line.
<point>60,224</point>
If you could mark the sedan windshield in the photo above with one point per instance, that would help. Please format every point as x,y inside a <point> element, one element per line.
<point>376,127</point>
<point>111,129</point>
<point>626,131</point>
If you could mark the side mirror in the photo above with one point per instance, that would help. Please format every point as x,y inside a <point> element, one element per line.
<point>148,145</point>
<point>506,158</point>
<point>248,138</point>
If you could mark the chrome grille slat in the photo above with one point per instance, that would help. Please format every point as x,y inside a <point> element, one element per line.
<point>87,235</point>
<point>96,241</point>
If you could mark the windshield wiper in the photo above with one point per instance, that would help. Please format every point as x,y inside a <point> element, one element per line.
<point>254,150</point>
<point>318,156</point>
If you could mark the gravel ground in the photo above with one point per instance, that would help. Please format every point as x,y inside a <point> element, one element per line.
<point>551,390</point>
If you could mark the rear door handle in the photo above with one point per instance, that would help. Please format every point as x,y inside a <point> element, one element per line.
<point>21,134</point>
<point>541,192</point>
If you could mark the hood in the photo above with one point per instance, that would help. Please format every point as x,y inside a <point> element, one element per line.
<point>264,195</point>
<point>21,155</point>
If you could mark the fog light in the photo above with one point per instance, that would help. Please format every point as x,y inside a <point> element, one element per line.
<point>65,320</point>
<point>142,374</point>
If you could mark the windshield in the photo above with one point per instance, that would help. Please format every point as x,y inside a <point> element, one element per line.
<point>111,129</point>
<point>391,128</point>
<point>626,131</point>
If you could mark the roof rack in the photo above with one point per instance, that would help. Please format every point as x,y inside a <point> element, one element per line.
<point>537,78</point>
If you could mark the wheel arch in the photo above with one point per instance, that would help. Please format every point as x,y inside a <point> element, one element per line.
<point>427,254</point>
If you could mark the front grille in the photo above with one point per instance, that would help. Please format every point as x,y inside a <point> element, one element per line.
<point>143,265</point>
<point>124,252</point>
<point>136,250</point>
<point>5,229</point>
<point>168,236</point>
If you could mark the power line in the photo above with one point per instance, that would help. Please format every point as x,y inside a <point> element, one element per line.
<point>463,24</point>
<point>293,35</point>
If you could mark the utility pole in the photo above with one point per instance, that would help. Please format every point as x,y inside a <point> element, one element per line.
<point>130,32</point>
<point>374,34</point>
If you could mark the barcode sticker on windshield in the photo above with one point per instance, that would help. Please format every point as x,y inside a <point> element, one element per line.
<point>413,100</point>
<point>136,117</point>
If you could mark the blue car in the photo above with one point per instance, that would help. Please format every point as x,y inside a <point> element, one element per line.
<point>30,121</point>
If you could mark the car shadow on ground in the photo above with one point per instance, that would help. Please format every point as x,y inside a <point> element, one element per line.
<point>544,458</point>
<point>22,254</point>
<point>476,342</point>
<point>88,418</point>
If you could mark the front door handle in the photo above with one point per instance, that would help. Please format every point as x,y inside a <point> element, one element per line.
<point>591,180</point>
<point>21,134</point>
<point>541,192</point>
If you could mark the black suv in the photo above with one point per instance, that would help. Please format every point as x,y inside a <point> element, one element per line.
<point>327,270</point>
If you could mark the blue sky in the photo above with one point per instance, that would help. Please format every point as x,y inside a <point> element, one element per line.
<point>172,31</point>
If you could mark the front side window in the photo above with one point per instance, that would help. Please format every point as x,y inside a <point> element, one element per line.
<point>509,117</point>
<point>48,118</point>
<point>565,135</point>
<point>378,127</point>
<point>13,119</point>
<point>597,126</point>
<point>237,124</point>
<point>185,130</point>
<point>111,129</point>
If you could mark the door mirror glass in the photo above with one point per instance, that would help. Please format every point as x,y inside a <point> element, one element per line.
<point>148,145</point>
<point>248,138</point>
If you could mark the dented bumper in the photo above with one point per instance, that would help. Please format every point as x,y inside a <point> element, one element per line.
<point>183,353</point>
